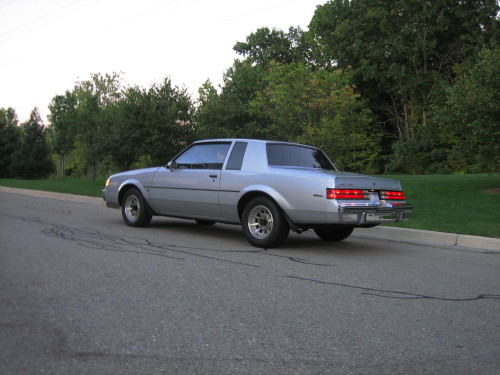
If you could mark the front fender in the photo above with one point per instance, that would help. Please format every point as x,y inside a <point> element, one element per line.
<point>129,184</point>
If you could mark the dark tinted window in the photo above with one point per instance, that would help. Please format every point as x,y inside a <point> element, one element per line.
<point>297,156</point>
<point>236,158</point>
<point>203,156</point>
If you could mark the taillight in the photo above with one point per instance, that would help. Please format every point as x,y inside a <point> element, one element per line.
<point>345,194</point>
<point>392,195</point>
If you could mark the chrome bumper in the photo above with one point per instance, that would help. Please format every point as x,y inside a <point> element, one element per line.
<point>356,215</point>
<point>109,204</point>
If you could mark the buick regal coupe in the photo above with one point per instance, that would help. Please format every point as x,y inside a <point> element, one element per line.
<point>267,187</point>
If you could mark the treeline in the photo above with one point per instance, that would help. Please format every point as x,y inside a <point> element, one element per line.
<point>404,86</point>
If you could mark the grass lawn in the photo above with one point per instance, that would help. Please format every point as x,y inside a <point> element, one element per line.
<point>79,186</point>
<point>466,204</point>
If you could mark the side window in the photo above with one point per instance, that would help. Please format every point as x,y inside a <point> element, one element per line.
<point>236,158</point>
<point>203,156</point>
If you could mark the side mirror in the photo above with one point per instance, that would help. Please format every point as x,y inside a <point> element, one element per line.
<point>172,165</point>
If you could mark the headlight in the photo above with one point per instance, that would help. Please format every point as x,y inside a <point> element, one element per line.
<point>108,182</point>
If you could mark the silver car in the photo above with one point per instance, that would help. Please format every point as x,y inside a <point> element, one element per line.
<point>268,187</point>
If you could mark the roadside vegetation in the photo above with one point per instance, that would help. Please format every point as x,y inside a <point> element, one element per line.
<point>78,186</point>
<point>464,204</point>
<point>446,203</point>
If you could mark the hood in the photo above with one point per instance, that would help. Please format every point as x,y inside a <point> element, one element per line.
<point>136,172</point>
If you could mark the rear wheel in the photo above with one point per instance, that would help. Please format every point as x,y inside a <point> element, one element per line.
<point>264,223</point>
<point>334,233</point>
<point>134,210</point>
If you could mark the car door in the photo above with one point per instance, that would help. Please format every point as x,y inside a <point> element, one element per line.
<point>190,188</point>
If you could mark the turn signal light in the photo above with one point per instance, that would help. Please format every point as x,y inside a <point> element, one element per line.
<point>345,194</point>
<point>392,195</point>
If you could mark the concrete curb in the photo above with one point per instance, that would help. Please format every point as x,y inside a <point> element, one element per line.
<point>379,232</point>
<point>430,237</point>
<point>51,195</point>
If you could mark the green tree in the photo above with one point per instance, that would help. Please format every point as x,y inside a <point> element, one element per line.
<point>208,112</point>
<point>154,123</point>
<point>470,117</point>
<point>169,116</point>
<point>9,139</point>
<point>124,123</point>
<point>265,46</point>
<point>401,53</point>
<point>229,114</point>
<point>320,108</point>
<point>92,96</point>
<point>63,121</point>
<point>32,159</point>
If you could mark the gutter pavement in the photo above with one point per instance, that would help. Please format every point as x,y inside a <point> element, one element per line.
<point>406,235</point>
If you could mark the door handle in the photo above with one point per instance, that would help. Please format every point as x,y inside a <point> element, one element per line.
<point>213,176</point>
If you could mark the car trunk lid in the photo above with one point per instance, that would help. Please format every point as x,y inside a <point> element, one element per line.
<point>345,180</point>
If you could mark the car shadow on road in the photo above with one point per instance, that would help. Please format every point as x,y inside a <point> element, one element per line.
<point>306,241</point>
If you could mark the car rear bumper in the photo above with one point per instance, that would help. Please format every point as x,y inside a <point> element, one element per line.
<point>355,215</point>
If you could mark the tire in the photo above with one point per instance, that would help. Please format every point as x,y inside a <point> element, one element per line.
<point>134,209</point>
<point>264,223</point>
<point>334,233</point>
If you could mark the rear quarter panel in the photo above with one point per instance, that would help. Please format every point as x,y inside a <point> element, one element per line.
<point>300,193</point>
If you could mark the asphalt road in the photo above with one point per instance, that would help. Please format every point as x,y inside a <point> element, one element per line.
<point>81,293</point>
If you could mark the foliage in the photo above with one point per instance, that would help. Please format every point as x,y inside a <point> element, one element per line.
<point>266,46</point>
<point>103,126</point>
<point>402,54</point>
<point>463,134</point>
<point>319,108</point>
<point>154,122</point>
<point>169,121</point>
<point>92,96</point>
<point>229,114</point>
<point>32,159</point>
<point>63,118</point>
<point>471,114</point>
<point>407,86</point>
<point>9,139</point>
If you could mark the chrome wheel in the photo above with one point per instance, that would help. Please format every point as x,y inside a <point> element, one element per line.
<point>264,223</point>
<point>132,208</point>
<point>135,211</point>
<point>260,222</point>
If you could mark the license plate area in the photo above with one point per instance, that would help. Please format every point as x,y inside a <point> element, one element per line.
<point>374,197</point>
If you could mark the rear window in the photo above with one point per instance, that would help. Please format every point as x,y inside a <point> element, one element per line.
<point>284,155</point>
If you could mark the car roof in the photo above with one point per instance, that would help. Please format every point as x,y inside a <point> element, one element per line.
<point>249,140</point>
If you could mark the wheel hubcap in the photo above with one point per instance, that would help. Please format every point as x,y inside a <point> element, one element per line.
<point>260,222</point>
<point>132,208</point>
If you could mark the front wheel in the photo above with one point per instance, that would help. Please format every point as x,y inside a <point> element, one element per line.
<point>264,223</point>
<point>334,233</point>
<point>134,210</point>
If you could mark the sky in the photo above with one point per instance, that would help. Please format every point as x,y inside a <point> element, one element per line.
<point>46,46</point>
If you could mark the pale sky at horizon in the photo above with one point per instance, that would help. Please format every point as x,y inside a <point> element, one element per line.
<point>48,45</point>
